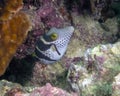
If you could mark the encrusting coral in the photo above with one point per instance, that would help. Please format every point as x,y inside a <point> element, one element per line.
<point>8,8</point>
<point>14,26</point>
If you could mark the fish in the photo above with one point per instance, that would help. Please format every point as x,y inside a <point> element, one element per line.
<point>52,45</point>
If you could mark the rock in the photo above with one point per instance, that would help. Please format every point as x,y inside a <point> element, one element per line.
<point>96,70</point>
<point>14,89</point>
<point>89,33</point>
<point>6,86</point>
<point>116,85</point>
<point>49,90</point>
<point>55,74</point>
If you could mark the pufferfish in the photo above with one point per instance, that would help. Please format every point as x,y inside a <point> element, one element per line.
<point>52,45</point>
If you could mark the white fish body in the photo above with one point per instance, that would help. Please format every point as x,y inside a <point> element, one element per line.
<point>48,50</point>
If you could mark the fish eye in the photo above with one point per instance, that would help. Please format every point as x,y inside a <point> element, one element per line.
<point>54,36</point>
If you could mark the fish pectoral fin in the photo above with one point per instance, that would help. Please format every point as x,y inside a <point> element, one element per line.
<point>54,48</point>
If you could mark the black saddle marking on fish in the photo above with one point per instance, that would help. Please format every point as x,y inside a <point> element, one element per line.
<point>41,55</point>
<point>43,47</point>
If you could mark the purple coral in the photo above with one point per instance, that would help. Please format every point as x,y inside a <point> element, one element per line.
<point>28,46</point>
<point>45,10</point>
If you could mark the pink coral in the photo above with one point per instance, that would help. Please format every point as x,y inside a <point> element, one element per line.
<point>45,10</point>
<point>49,90</point>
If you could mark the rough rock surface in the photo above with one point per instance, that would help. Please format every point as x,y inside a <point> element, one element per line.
<point>6,86</point>
<point>14,89</point>
<point>96,70</point>
<point>89,33</point>
<point>116,85</point>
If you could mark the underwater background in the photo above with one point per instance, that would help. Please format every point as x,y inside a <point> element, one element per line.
<point>81,38</point>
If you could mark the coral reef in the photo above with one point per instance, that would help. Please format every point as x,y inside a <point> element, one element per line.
<point>51,73</point>
<point>15,92</point>
<point>14,89</point>
<point>49,90</point>
<point>89,33</point>
<point>44,17</point>
<point>99,66</point>
<point>12,33</point>
<point>91,74</point>
<point>91,63</point>
<point>57,13</point>
<point>6,86</point>
<point>7,8</point>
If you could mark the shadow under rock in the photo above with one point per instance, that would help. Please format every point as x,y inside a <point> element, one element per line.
<point>19,70</point>
<point>81,5</point>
